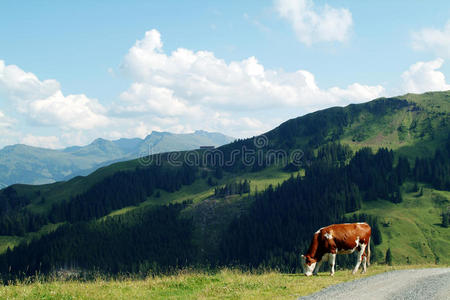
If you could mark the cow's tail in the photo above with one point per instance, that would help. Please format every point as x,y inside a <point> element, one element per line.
<point>368,253</point>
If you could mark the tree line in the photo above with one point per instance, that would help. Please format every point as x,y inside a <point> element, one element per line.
<point>435,170</point>
<point>234,188</point>
<point>123,188</point>
<point>150,241</point>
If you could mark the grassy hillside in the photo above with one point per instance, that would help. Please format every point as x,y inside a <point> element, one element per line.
<point>412,229</point>
<point>412,124</point>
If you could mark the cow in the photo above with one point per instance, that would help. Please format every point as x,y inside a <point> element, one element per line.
<point>337,239</point>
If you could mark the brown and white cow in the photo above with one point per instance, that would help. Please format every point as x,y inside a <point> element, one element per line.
<point>337,239</point>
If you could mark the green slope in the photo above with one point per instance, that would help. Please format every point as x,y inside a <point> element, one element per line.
<point>411,124</point>
<point>412,229</point>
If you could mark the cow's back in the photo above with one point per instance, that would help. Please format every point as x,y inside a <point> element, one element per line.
<point>347,233</point>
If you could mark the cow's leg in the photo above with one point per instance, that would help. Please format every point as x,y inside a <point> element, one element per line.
<point>360,254</point>
<point>332,261</point>
<point>364,264</point>
<point>319,263</point>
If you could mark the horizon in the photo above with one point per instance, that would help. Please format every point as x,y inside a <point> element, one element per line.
<point>114,140</point>
<point>71,73</point>
<point>201,130</point>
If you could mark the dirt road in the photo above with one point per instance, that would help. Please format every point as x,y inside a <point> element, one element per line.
<point>404,284</point>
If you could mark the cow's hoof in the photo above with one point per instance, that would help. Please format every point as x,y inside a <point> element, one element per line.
<point>354,272</point>
<point>332,274</point>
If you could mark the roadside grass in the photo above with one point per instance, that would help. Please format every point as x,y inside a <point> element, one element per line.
<point>189,284</point>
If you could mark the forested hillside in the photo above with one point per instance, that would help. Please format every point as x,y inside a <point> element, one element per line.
<point>222,208</point>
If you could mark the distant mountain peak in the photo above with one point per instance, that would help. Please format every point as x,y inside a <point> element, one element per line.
<point>99,141</point>
<point>155,133</point>
<point>201,131</point>
<point>27,164</point>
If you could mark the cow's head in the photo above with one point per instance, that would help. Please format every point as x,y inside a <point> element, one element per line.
<point>308,264</point>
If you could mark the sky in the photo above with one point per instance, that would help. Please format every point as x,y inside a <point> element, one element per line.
<point>74,71</point>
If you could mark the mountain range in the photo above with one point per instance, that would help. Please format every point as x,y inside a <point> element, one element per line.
<point>32,165</point>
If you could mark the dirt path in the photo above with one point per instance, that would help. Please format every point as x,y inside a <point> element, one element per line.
<point>421,284</point>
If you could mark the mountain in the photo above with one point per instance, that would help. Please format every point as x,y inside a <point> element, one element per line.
<point>411,124</point>
<point>386,162</point>
<point>32,165</point>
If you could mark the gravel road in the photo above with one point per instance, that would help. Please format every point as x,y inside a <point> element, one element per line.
<point>404,284</point>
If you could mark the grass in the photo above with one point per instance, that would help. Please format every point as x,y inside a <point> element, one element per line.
<point>223,284</point>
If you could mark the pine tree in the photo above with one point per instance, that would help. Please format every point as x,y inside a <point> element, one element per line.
<point>445,219</point>
<point>388,257</point>
<point>420,192</point>
<point>415,187</point>
<point>218,173</point>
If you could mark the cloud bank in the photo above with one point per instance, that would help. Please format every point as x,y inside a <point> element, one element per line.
<point>200,89</point>
<point>44,103</point>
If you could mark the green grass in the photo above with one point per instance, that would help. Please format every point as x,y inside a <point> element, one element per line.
<point>224,284</point>
<point>410,132</point>
<point>412,229</point>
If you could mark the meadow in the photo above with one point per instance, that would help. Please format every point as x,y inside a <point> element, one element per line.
<point>190,284</point>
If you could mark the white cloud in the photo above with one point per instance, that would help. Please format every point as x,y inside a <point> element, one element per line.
<point>424,76</point>
<point>312,25</point>
<point>199,78</point>
<point>72,111</point>
<point>7,133</point>
<point>5,121</point>
<point>186,90</point>
<point>43,101</point>
<point>51,142</point>
<point>22,86</point>
<point>144,98</point>
<point>434,40</point>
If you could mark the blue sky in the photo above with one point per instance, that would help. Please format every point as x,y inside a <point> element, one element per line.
<point>74,71</point>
